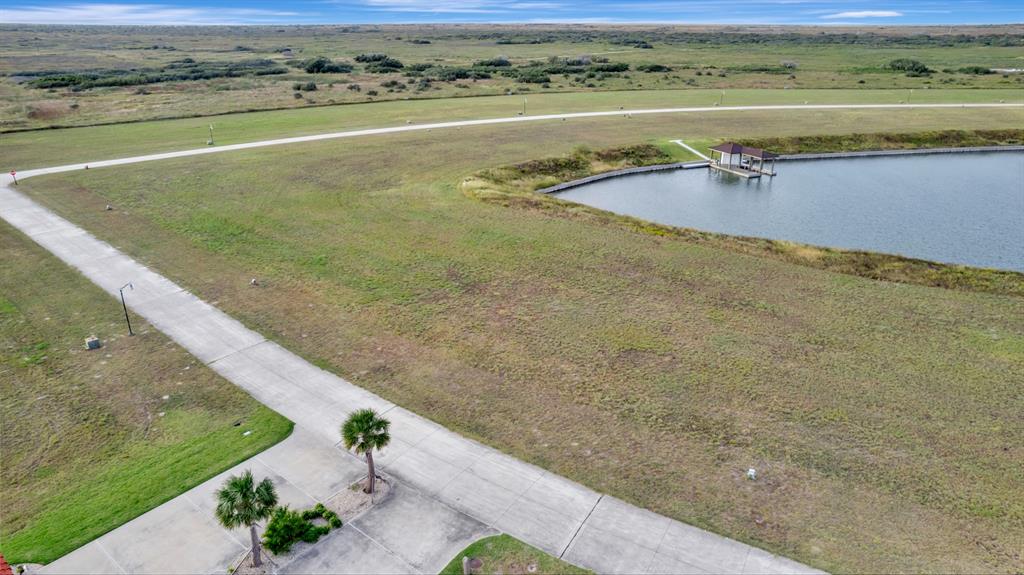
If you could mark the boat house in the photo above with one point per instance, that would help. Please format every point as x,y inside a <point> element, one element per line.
<point>743,161</point>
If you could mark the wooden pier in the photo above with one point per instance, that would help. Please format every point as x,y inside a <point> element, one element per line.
<point>735,170</point>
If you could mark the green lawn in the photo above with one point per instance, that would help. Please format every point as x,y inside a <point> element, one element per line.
<point>53,147</point>
<point>92,439</point>
<point>651,368</point>
<point>506,555</point>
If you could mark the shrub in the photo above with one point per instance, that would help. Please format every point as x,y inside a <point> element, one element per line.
<point>653,68</point>
<point>979,70</point>
<point>285,528</point>
<point>367,58</point>
<point>911,67</point>
<point>304,86</point>
<point>323,65</point>
<point>499,62</point>
<point>384,66</point>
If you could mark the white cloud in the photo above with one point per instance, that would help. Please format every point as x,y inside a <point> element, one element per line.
<point>139,14</point>
<point>865,14</point>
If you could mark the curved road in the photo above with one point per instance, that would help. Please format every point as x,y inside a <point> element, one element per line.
<point>450,489</point>
<point>485,122</point>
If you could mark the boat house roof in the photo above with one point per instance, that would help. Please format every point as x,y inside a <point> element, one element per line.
<point>734,148</point>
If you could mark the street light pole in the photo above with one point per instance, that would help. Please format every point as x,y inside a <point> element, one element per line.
<point>125,307</point>
<point>210,142</point>
<point>524,106</point>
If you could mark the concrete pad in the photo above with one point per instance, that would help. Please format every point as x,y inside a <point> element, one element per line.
<point>605,552</point>
<point>33,219</point>
<point>668,565</point>
<point>760,561</point>
<point>385,457</point>
<point>568,497</point>
<point>313,466</point>
<point>507,472</point>
<point>173,538</point>
<point>703,549</point>
<point>420,530</point>
<point>90,559</point>
<point>408,426</point>
<point>639,526</point>
<point>476,497</point>
<point>454,449</point>
<point>204,496</point>
<point>539,526</point>
<point>194,324</point>
<point>422,470</point>
<point>346,550</point>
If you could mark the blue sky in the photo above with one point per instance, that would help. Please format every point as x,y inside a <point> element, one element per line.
<point>825,12</point>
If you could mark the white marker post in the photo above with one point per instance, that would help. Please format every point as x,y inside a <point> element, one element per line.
<point>14,176</point>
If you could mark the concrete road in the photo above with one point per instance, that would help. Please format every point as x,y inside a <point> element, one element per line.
<point>452,489</point>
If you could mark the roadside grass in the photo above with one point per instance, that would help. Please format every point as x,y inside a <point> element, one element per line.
<point>653,368</point>
<point>506,555</point>
<point>92,439</point>
<point>24,150</point>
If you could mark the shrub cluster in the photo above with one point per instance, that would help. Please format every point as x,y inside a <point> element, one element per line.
<point>324,65</point>
<point>911,67</point>
<point>286,527</point>
<point>180,70</point>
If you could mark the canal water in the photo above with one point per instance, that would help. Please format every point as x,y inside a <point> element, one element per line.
<point>958,208</point>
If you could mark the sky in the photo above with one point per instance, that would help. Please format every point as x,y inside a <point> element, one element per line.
<point>805,12</point>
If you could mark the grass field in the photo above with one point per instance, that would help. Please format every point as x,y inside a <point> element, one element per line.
<point>506,555</point>
<point>91,439</point>
<point>884,419</point>
<point>51,147</point>
<point>705,58</point>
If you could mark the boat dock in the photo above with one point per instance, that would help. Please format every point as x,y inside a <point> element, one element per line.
<point>735,170</point>
<point>743,161</point>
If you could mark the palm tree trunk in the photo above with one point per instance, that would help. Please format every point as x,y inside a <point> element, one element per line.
<point>256,559</point>
<point>370,478</point>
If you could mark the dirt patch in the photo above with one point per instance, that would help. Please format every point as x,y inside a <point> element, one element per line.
<point>245,567</point>
<point>353,501</point>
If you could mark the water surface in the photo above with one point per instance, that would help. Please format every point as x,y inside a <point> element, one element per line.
<point>956,208</point>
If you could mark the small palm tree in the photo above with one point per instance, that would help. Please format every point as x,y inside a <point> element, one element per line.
<point>243,502</point>
<point>365,431</point>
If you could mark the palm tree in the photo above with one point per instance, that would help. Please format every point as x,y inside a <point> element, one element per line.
<point>243,502</point>
<point>365,431</point>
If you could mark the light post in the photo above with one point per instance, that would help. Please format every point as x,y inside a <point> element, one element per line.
<point>125,307</point>
<point>524,106</point>
<point>721,98</point>
<point>910,95</point>
<point>210,141</point>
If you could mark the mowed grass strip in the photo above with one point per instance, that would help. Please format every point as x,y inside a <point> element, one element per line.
<point>883,419</point>
<point>506,554</point>
<point>92,439</point>
<point>25,150</point>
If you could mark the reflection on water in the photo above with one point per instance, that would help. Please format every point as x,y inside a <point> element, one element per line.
<point>957,208</point>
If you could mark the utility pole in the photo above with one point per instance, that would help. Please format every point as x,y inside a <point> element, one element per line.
<point>125,307</point>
